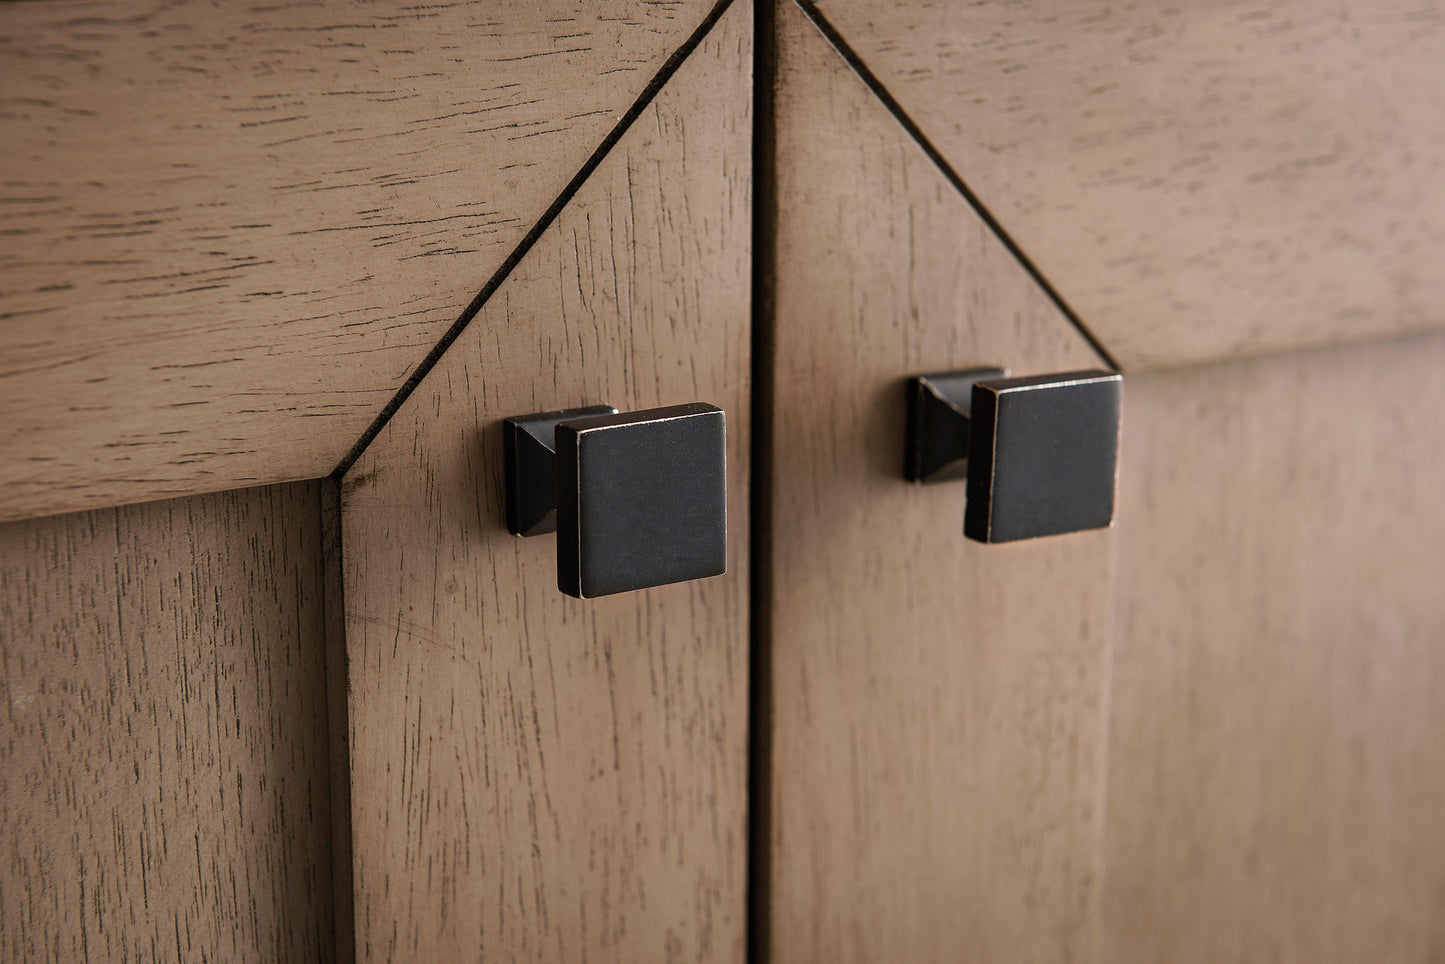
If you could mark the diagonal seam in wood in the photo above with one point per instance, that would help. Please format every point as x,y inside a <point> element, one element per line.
<point>659,81</point>
<point>869,78</point>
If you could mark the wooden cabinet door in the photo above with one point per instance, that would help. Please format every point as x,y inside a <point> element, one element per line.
<point>1210,733</point>
<point>936,718</point>
<point>241,246</point>
<point>536,777</point>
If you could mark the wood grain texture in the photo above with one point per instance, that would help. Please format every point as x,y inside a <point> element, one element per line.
<point>1199,180</point>
<point>1276,762</point>
<point>536,777</point>
<point>228,233</point>
<point>164,791</point>
<point>937,717</point>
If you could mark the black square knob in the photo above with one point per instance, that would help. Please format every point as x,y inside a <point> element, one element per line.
<point>641,499</point>
<point>637,500</point>
<point>1042,455</point>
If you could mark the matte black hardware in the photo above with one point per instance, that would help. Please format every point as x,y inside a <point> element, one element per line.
<point>1040,453</point>
<point>637,499</point>
<point>531,463</point>
<point>938,423</point>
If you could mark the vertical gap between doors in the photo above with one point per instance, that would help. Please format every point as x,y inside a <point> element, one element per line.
<point>338,723</point>
<point>760,694</point>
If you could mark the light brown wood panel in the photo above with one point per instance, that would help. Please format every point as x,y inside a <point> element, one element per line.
<point>537,777</point>
<point>164,784</point>
<point>229,233</point>
<point>1200,180</point>
<point>936,706</point>
<point>1277,762</point>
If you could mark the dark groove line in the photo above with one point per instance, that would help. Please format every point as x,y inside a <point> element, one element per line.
<point>935,155</point>
<point>760,556</point>
<point>338,737</point>
<point>532,237</point>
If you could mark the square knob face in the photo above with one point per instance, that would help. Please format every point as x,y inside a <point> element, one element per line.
<point>1043,455</point>
<point>641,499</point>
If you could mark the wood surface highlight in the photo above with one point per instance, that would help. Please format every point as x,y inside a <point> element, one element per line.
<point>534,776</point>
<point>228,234</point>
<point>1201,180</point>
<point>164,782</point>
<point>936,713</point>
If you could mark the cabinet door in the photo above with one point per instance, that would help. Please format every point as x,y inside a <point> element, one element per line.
<point>936,720</point>
<point>536,777</point>
<point>1210,733</point>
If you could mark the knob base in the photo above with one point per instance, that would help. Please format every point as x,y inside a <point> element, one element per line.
<point>938,417</point>
<point>530,453</point>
